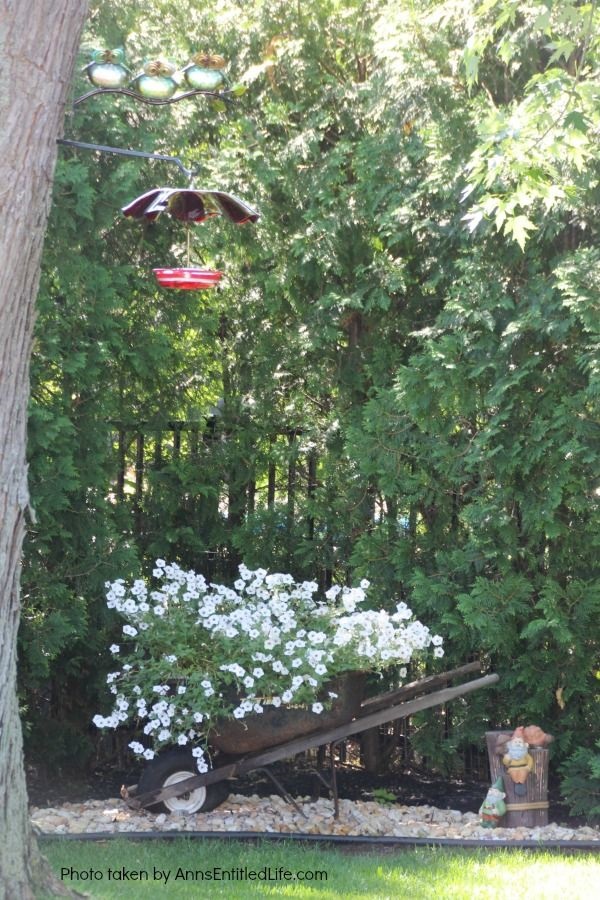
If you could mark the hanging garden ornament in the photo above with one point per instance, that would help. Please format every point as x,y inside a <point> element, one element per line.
<point>190,205</point>
<point>156,81</point>
<point>205,72</point>
<point>107,69</point>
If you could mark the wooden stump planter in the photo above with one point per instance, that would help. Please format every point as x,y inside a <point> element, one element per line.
<point>531,808</point>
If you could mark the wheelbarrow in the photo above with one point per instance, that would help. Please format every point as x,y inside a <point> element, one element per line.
<point>171,782</point>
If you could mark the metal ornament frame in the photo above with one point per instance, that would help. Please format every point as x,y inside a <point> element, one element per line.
<point>225,96</point>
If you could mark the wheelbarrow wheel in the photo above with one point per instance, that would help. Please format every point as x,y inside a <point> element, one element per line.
<point>177,765</point>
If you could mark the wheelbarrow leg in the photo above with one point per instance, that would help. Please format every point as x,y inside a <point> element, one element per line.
<point>330,784</point>
<point>334,790</point>
<point>286,796</point>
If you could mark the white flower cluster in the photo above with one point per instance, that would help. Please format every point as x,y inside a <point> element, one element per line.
<point>268,641</point>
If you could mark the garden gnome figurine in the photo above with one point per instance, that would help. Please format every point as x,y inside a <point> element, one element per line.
<point>517,760</point>
<point>493,807</point>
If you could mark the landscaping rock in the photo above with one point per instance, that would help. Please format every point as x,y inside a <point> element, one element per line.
<point>273,814</point>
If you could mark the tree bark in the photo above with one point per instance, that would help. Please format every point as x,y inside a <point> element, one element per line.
<point>38,47</point>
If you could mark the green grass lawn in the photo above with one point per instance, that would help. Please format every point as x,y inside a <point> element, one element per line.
<point>416,874</point>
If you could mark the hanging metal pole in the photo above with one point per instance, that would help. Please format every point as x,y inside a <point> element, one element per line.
<point>101,148</point>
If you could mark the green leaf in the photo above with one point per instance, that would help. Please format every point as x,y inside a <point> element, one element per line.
<point>577,120</point>
<point>561,48</point>
<point>518,226</point>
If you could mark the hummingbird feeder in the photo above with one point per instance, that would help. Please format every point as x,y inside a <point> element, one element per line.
<point>189,205</point>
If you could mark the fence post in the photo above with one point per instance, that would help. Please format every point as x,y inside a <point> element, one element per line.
<point>312,486</point>
<point>139,482</point>
<point>271,478</point>
<point>291,479</point>
<point>121,466</point>
<point>158,451</point>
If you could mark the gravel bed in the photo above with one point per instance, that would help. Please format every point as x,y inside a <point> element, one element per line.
<point>272,814</point>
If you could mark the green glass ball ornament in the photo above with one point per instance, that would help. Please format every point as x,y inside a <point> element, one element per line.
<point>156,80</point>
<point>205,72</point>
<point>107,69</point>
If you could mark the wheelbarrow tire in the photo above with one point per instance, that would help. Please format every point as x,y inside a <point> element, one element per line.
<point>176,765</point>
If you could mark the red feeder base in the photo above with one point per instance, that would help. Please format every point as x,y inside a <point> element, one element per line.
<point>187,279</point>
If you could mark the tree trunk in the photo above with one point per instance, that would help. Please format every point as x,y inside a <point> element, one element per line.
<point>37,54</point>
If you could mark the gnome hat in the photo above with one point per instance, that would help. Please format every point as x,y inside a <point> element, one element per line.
<point>536,737</point>
<point>496,790</point>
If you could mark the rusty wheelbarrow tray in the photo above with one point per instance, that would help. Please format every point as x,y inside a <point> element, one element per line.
<point>375,711</point>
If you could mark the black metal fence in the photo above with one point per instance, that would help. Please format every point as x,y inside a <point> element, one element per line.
<point>200,474</point>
